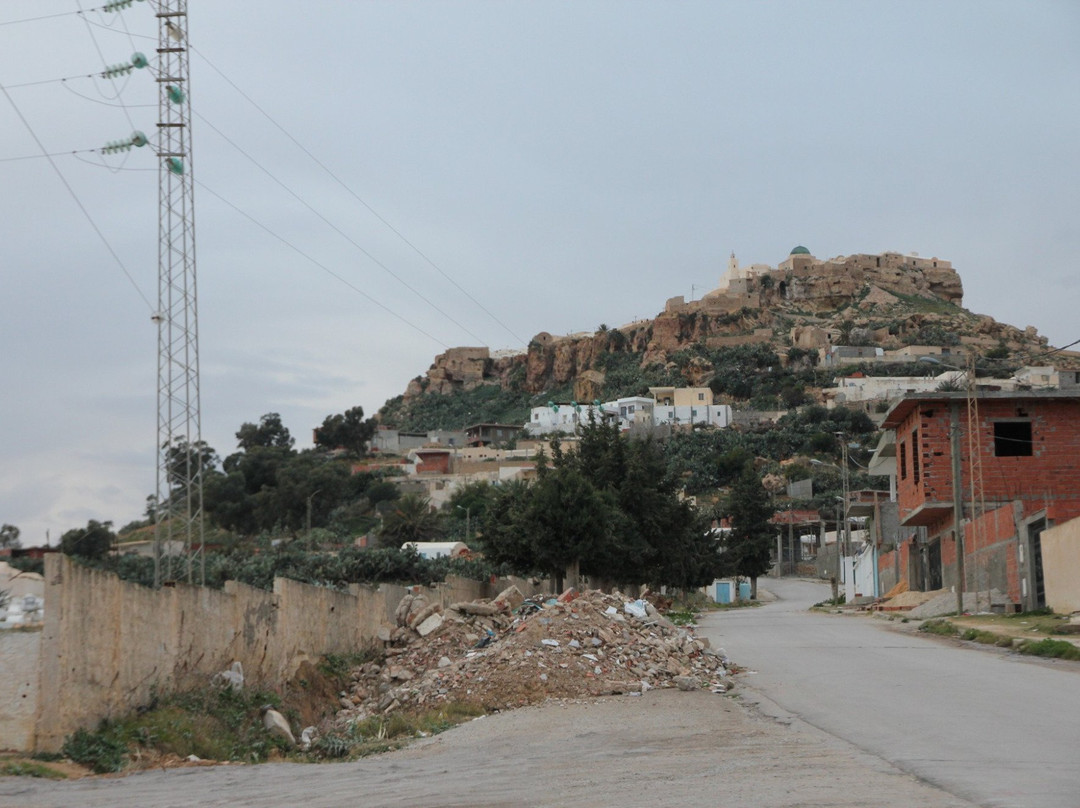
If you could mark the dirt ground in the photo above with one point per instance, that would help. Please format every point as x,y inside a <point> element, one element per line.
<point>663,748</point>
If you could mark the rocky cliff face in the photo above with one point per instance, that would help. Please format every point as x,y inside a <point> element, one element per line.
<point>887,300</point>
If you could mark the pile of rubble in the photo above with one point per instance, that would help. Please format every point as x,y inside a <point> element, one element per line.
<point>508,652</point>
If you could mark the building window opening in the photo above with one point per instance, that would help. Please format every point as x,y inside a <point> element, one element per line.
<point>903,461</point>
<point>1012,439</point>
<point>915,456</point>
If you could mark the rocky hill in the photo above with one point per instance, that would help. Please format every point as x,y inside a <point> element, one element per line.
<point>797,308</point>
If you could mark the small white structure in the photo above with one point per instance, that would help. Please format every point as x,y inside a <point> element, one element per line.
<point>565,418</point>
<point>850,389</point>
<point>437,549</point>
<point>718,415</point>
<point>632,411</point>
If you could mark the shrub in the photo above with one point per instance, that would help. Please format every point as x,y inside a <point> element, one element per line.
<point>1056,649</point>
<point>940,627</point>
<point>99,750</point>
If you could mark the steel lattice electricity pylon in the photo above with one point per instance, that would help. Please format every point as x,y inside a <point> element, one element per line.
<point>179,513</point>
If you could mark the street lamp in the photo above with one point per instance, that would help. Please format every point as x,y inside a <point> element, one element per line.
<point>468,517</point>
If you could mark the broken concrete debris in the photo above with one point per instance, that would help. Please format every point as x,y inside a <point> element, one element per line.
<point>275,724</point>
<point>232,678</point>
<point>510,651</point>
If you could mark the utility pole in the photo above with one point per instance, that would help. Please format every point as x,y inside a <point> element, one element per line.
<point>958,502</point>
<point>179,518</point>
<point>847,497</point>
<point>311,497</point>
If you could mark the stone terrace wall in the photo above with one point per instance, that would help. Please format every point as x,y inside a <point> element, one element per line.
<point>107,642</point>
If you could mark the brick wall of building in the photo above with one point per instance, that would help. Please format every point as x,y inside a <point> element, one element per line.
<point>1048,478</point>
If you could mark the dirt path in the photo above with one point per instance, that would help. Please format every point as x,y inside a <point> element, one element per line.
<point>661,749</point>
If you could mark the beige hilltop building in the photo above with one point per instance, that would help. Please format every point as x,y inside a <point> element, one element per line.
<point>801,276</point>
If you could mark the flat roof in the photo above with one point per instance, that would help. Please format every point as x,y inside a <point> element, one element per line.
<point>902,408</point>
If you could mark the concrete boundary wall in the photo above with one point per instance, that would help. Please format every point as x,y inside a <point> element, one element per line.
<point>20,650</point>
<point>108,643</point>
<point>1061,566</point>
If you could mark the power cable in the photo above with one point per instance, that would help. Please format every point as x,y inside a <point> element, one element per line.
<point>338,230</point>
<point>45,17</point>
<point>105,64</point>
<point>50,81</point>
<point>49,154</point>
<point>358,198</point>
<point>75,196</point>
<point>320,265</point>
<point>103,102</point>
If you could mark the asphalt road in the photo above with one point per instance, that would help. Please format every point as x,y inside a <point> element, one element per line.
<point>666,749</point>
<point>987,726</point>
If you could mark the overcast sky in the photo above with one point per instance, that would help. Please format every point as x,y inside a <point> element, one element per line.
<point>555,165</point>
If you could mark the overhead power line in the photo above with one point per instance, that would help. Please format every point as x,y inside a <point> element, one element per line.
<point>108,7</point>
<point>320,265</point>
<point>358,198</point>
<point>340,232</point>
<point>45,153</point>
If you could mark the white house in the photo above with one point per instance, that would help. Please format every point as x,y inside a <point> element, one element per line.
<point>718,415</point>
<point>632,411</point>
<point>564,418</point>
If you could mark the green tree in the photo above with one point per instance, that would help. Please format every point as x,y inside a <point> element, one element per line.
<point>92,542</point>
<point>9,536</point>
<point>611,509</point>
<point>185,459</point>
<point>268,433</point>
<point>502,532</point>
<point>569,523</point>
<point>747,549</point>
<point>410,519</point>
<point>467,508</point>
<point>348,431</point>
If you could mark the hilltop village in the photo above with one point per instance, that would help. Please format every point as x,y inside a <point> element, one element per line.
<point>882,438</point>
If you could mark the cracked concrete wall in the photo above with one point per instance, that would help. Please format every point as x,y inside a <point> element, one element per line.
<point>106,643</point>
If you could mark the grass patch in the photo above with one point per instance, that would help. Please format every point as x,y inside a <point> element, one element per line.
<point>735,604</point>
<point>1055,649</point>
<point>27,768</point>
<point>1017,625</point>
<point>379,734</point>
<point>211,723</point>
<point>942,628</point>
<point>986,637</point>
<point>684,617</point>
<point>339,666</point>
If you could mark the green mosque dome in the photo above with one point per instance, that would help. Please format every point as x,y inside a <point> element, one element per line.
<point>800,250</point>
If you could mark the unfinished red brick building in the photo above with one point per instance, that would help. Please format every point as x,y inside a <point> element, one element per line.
<point>1018,474</point>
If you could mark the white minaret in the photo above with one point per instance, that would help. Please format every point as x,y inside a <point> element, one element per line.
<point>731,274</point>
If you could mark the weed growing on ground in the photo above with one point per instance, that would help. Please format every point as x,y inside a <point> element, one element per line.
<point>682,618</point>
<point>941,627</point>
<point>987,637</point>
<point>210,723</point>
<point>382,733</point>
<point>840,600</point>
<point>100,751</point>
<point>1056,649</point>
<point>25,768</point>
<point>339,666</point>
<point>735,604</point>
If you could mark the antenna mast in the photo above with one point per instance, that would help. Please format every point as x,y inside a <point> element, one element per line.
<point>179,511</point>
